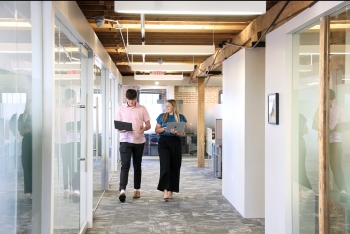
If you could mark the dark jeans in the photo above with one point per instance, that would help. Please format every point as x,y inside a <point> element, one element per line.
<point>126,150</point>
<point>336,151</point>
<point>170,158</point>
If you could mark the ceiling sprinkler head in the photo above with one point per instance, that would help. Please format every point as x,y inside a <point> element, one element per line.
<point>160,61</point>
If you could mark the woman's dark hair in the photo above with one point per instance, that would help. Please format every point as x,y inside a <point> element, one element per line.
<point>131,94</point>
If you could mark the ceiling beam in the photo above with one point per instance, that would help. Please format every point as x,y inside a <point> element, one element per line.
<point>252,32</point>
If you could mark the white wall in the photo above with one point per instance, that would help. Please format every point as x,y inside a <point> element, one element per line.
<point>233,130</point>
<point>278,75</point>
<point>255,133</point>
<point>243,132</point>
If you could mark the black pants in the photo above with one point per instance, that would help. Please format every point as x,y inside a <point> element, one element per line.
<point>170,158</point>
<point>68,162</point>
<point>126,150</point>
<point>27,160</point>
<point>336,151</point>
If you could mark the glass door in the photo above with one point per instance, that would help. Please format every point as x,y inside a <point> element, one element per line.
<point>97,135</point>
<point>69,122</point>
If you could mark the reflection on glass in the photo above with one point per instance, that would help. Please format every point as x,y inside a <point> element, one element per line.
<point>339,122</point>
<point>16,148</point>
<point>97,120</point>
<point>67,132</point>
<point>304,135</point>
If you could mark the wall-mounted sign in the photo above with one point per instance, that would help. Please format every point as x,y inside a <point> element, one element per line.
<point>157,73</point>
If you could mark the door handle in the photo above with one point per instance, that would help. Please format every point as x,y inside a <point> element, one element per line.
<point>81,106</point>
<point>81,159</point>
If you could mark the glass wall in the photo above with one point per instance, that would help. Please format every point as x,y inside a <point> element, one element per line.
<point>97,120</point>
<point>304,129</point>
<point>17,120</point>
<point>338,159</point>
<point>68,141</point>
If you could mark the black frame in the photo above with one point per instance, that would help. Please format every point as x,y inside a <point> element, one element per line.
<point>220,92</point>
<point>276,109</point>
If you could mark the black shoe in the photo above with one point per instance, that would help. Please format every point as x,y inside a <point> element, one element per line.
<point>122,197</point>
<point>344,197</point>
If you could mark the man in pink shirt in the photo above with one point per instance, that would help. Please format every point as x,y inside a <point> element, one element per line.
<point>336,118</point>
<point>132,142</point>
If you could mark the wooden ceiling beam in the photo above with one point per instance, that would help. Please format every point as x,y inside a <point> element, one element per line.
<point>173,27</point>
<point>178,22</point>
<point>182,31</point>
<point>161,36</point>
<point>251,32</point>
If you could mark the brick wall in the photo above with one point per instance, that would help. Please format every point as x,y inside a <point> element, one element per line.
<point>211,95</point>
<point>126,87</point>
<point>163,94</point>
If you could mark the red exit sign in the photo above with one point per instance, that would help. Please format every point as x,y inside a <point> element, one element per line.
<point>157,73</point>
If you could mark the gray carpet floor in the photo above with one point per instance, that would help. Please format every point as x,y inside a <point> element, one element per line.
<point>199,207</point>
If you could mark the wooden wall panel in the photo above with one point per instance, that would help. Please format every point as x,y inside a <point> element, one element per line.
<point>322,124</point>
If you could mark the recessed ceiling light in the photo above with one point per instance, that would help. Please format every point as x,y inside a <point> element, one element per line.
<point>192,7</point>
<point>161,67</point>
<point>171,49</point>
<point>158,77</point>
<point>156,83</point>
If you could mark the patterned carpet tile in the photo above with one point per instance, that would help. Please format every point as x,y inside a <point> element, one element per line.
<point>199,207</point>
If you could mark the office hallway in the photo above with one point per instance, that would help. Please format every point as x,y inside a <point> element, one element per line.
<point>198,208</point>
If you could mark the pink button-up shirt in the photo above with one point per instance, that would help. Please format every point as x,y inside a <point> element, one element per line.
<point>137,115</point>
<point>65,114</point>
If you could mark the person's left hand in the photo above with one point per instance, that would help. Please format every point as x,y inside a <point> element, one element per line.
<point>173,131</point>
<point>142,129</point>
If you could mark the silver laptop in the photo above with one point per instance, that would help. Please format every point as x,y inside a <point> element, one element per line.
<point>177,126</point>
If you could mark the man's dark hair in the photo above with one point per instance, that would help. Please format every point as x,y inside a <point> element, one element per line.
<point>131,94</point>
<point>331,94</point>
<point>69,93</point>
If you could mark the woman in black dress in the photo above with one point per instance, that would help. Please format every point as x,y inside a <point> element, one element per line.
<point>26,155</point>
<point>169,149</point>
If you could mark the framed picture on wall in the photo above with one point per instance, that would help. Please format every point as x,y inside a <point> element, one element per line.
<point>220,96</point>
<point>272,108</point>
